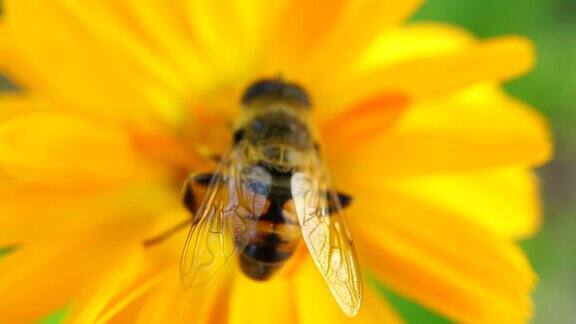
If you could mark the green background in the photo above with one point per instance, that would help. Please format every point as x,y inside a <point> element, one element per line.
<point>551,88</point>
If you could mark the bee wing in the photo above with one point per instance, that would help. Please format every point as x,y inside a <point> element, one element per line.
<point>226,219</point>
<point>326,235</point>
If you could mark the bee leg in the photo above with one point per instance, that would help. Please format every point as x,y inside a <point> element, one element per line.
<point>344,199</point>
<point>188,195</point>
<point>201,179</point>
<point>166,234</point>
<point>215,157</point>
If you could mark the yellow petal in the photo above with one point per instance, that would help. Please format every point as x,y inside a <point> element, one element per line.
<point>124,79</point>
<point>169,303</point>
<point>9,63</point>
<point>118,276</point>
<point>297,32</point>
<point>393,46</point>
<point>145,286</point>
<point>99,21</point>
<point>496,59</point>
<point>14,104</point>
<point>163,25</point>
<point>3,46</point>
<point>503,200</point>
<point>315,303</point>
<point>166,302</point>
<point>29,213</point>
<point>376,309</point>
<point>364,122</point>
<point>413,41</point>
<point>352,27</point>
<point>156,295</point>
<point>44,276</point>
<point>229,36</point>
<point>309,42</point>
<point>478,128</point>
<point>262,302</point>
<point>440,259</point>
<point>43,147</point>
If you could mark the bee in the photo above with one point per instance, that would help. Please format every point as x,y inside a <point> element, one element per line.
<point>270,192</point>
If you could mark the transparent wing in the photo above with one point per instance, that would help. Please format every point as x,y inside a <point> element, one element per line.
<point>326,235</point>
<point>226,219</point>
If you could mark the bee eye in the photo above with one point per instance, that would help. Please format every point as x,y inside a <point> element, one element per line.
<point>258,126</point>
<point>277,89</point>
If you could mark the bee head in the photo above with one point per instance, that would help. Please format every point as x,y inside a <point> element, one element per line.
<point>276,90</point>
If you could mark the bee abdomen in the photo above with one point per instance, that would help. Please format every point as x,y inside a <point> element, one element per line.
<point>262,258</point>
<point>258,270</point>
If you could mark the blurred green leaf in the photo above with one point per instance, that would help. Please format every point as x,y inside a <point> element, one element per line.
<point>55,318</point>
<point>410,311</point>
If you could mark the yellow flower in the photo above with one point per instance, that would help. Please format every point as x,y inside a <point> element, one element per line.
<point>121,99</point>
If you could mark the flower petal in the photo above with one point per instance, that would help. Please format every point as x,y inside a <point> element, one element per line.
<point>294,37</point>
<point>376,308</point>
<point>145,286</point>
<point>442,260</point>
<point>29,213</point>
<point>125,74</point>
<point>43,276</point>
<point>496,59</point>
<point>118,276</point>
<point>315,36</point>
<point>229,36</point>
<point>169,303</point>
<point>166,302</point>
<point>163,26</point>
<point>43,147</point>
<point>316,304</point>
<point>252,302</point>
<point>14,104</point>
<point>413,41</point>
<point>364,122</point>
<point>8,63</point>
<point>478,128</point>
<point>503,200</point>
